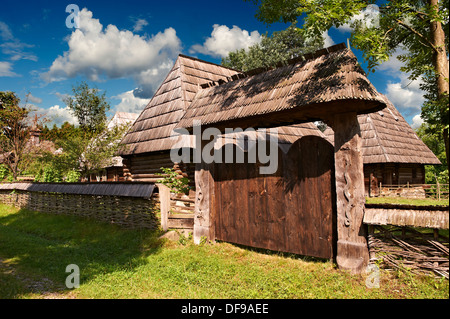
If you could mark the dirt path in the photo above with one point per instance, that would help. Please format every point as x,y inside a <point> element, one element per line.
<point>42,288</point>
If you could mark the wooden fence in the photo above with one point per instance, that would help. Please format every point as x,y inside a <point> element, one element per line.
<point>394,238</point>
<point>177,210</point>
<point>129,205</point>
<point>436,191</point>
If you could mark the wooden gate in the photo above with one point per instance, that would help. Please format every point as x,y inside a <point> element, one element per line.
<point>292,210</point>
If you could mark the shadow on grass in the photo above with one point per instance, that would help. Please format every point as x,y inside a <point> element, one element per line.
<point>269,252</point>
<point>40,246</point>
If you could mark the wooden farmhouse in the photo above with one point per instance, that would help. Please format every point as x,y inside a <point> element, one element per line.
<point>313,203</point>
<point>149,141</point>
<point>393,154</point>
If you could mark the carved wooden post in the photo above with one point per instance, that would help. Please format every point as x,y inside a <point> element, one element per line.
<point>204,200</point>
<point>352,249</point>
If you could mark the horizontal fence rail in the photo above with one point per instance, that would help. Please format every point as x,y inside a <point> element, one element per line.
<point>177,210</point>
<point>437,191</point>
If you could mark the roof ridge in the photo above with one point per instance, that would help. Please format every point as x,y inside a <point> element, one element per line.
<point>207,62</point>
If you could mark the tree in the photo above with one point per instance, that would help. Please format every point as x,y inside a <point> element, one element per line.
<point>89,107</point>
<point>82,155</point>
<point>100,151</point>
<point>14,131</point>
<point>418,28</point>
<point>57,134</point>
<point>433,139</point>
<point>280,47</point>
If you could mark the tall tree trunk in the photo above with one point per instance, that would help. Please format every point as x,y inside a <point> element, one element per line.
<point>440,64</point>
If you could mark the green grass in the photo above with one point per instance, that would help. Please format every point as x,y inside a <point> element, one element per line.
<point>35,249</point>
<point>407,201</point>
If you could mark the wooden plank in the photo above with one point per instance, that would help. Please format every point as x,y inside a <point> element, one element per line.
<point>275,212</point>
<point>352,252</point>
<point>407,217</point>
<point>183,223</point>
<point>164,199</point>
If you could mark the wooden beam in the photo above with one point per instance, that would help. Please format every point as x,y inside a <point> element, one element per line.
<point>352,249</point>
<point>204,223</point>
<point>164,202</point>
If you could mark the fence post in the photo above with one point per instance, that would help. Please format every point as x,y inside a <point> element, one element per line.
<point>438,189</point>
<point>164,204</point>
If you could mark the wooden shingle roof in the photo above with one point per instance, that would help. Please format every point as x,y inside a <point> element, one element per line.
<point>306,84</point>
<point>152,130</point>
<point>388,138</point>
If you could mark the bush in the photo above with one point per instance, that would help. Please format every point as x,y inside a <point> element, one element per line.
<point>49,175</point>
<point>73,177</point>
<point>4,172</point>
<point>174,181</point>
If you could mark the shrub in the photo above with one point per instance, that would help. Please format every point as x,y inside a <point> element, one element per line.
<point>4,172</point>
<point>49,175</point>
<point>73,177</point>
<point>174,181</point>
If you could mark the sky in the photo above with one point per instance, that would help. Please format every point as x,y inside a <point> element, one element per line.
<point>126,48</point>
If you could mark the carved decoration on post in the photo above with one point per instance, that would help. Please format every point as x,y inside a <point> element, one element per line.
<point>352,250</point>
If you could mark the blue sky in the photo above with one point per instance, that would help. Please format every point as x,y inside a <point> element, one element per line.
<point>126,48</point>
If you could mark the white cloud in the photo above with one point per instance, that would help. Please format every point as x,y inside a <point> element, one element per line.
<point>130,103</point>
<point>34,99</point>
<point>328,41</point>
<point>17,51</point>
<point>393,65</point>
<point>369,17</point>
<point>14,47</point>
<point>97,52</point>
<point>6,70</point>
<point>224,40</point>
<point>5,32</point>
<point>417,121</point>
<point>62,96</point>
<point>406,95</point>
<point>58,115</point>
<point>139,25</point>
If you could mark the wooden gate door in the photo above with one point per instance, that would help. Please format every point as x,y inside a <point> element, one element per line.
<point>292,210</point>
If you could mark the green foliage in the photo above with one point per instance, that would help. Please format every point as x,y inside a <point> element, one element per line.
<point>73,177</point>
<point>84,154</point>
<point>396,21</point>
<point>408,27</point>
<point>407,201</point>
<point>432,137</point>
<point>14,131</point>
<point>89,107</point>
<point>174,181</point>
<point>4,172</point>
<point>280,47</point>
<point>49,174</point>
<point>99,152</point>
<point>57,134</point>
<point>183,239</point>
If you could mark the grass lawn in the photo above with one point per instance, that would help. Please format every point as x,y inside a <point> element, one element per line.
<point>407,201</point>
<point>35,249</point>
